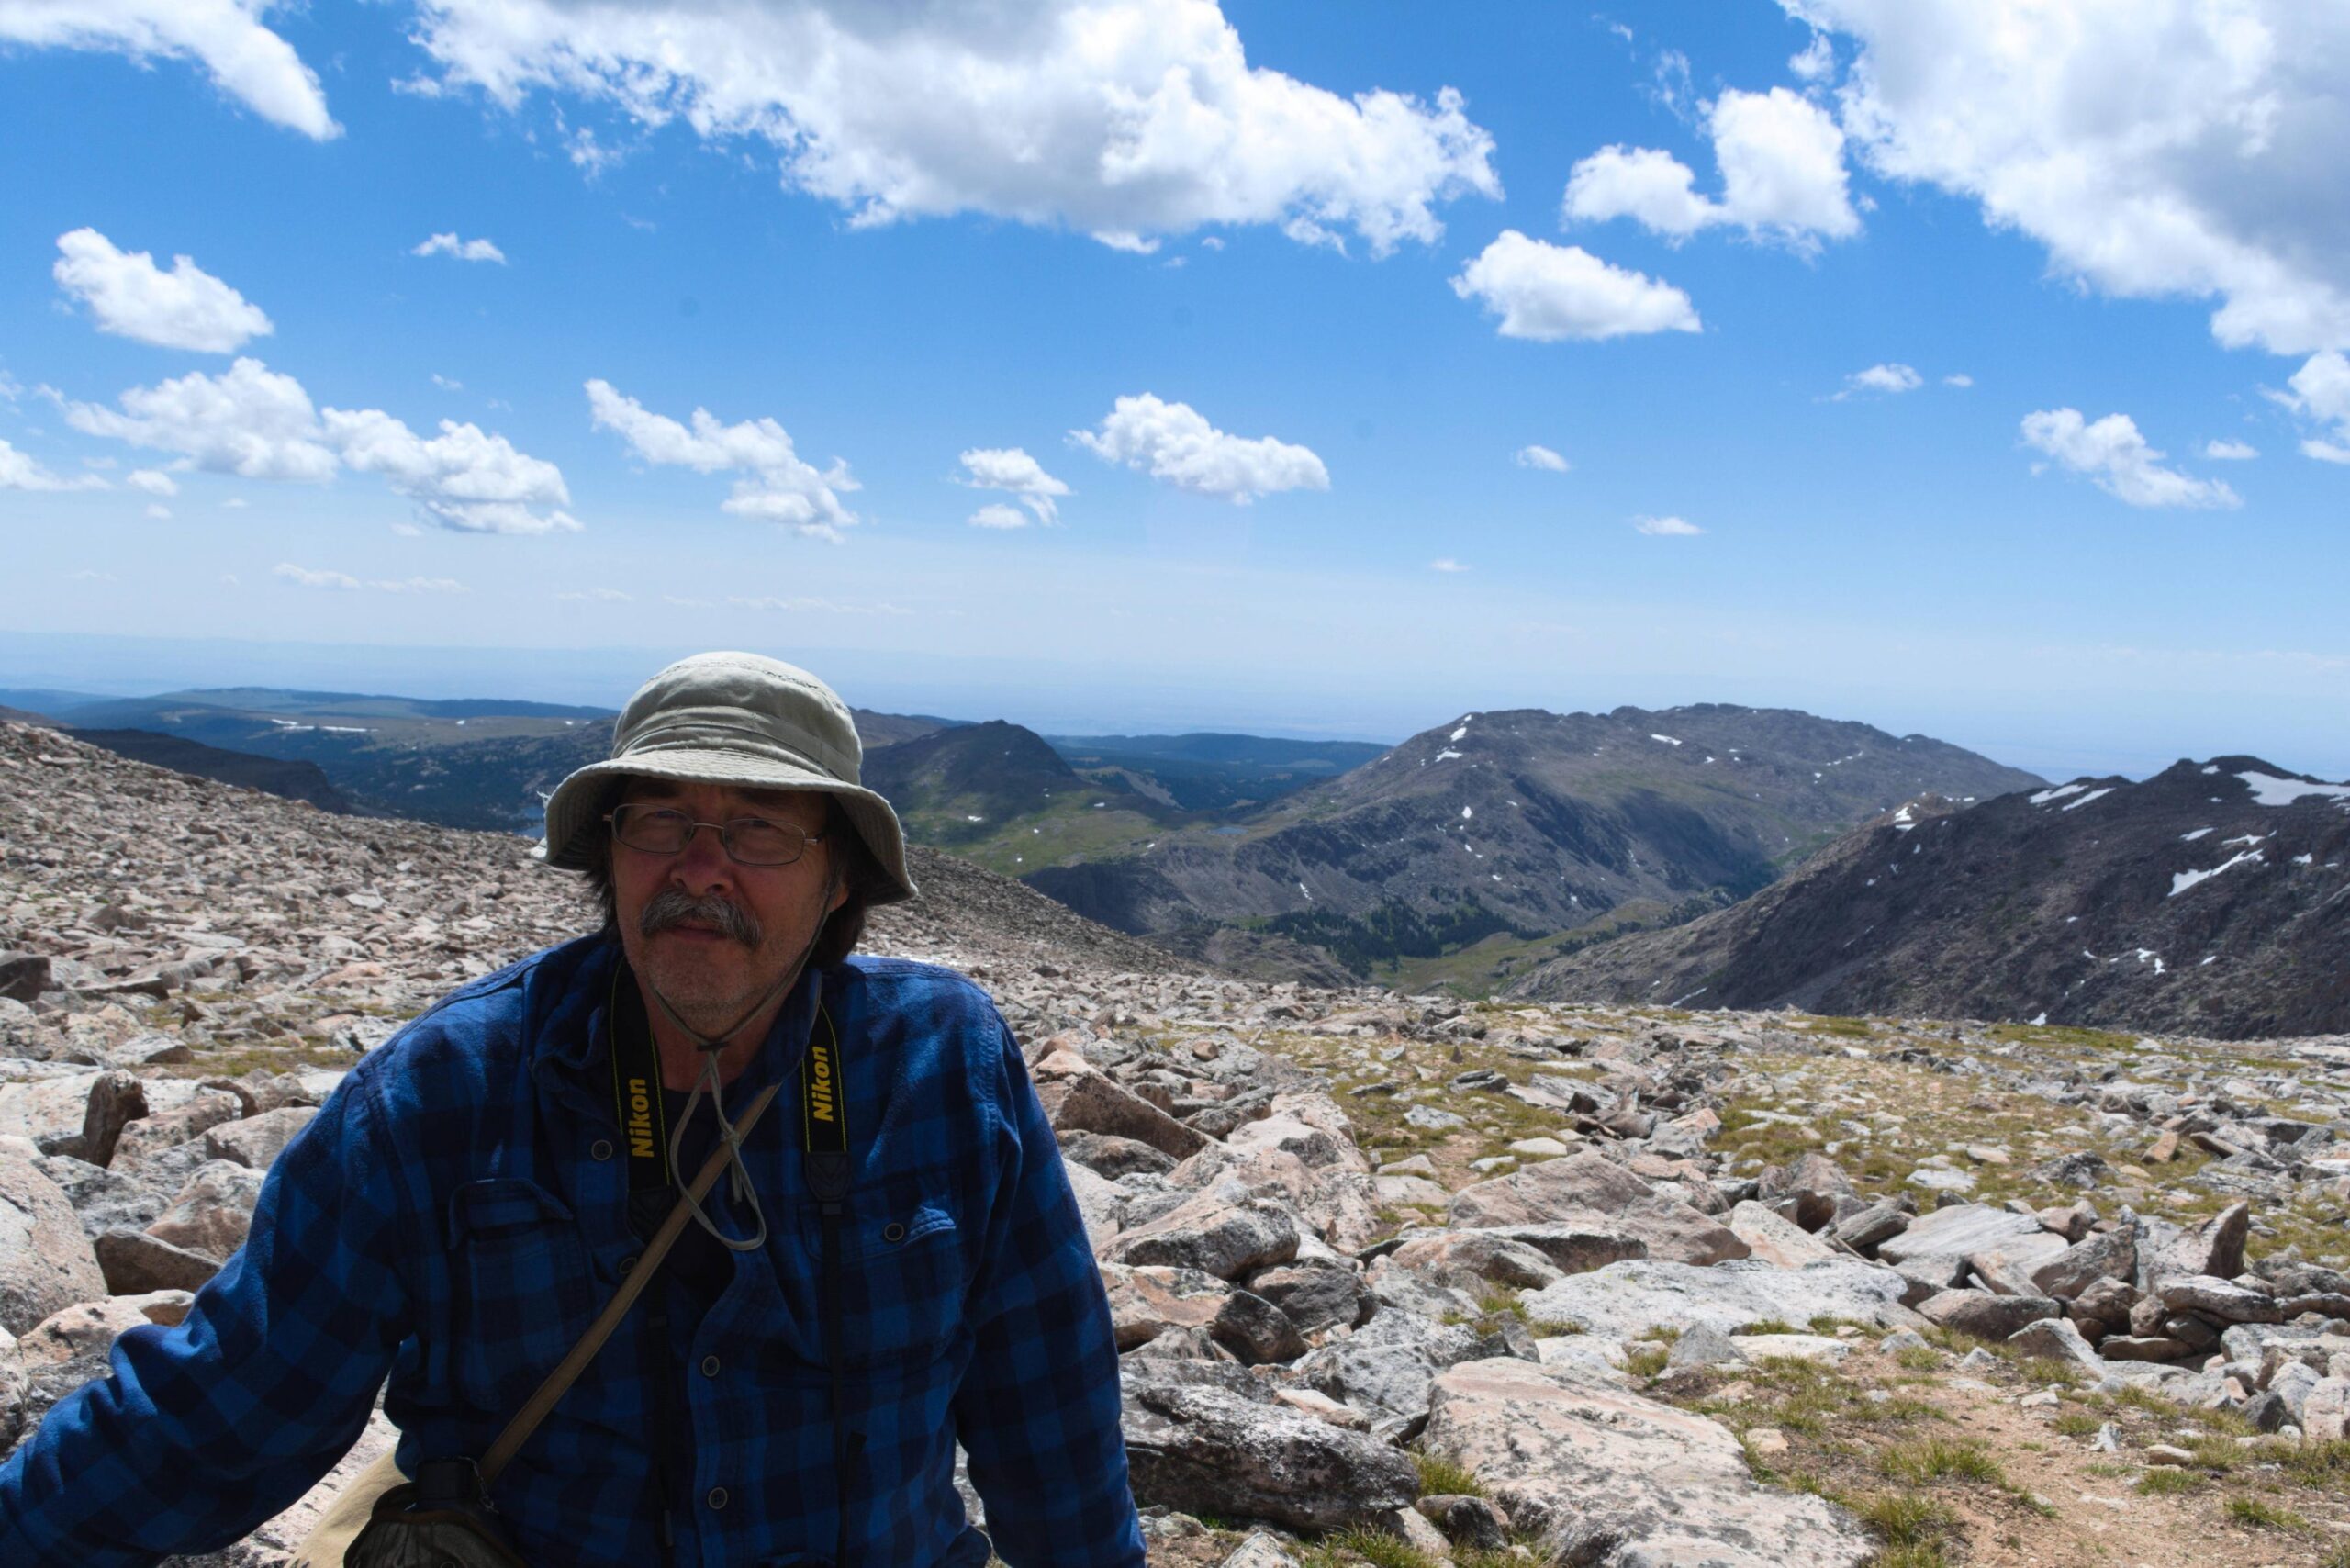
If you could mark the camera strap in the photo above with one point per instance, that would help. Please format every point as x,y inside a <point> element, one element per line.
<point>824,1154</point>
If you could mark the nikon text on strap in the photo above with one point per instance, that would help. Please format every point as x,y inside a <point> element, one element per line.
<point>824,1145</point>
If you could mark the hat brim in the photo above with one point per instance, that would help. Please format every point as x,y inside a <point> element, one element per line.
<point>572,817</point>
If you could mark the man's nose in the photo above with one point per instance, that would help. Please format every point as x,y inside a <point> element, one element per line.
<point>703,863</point>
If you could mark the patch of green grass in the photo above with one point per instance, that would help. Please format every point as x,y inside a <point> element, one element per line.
<point>1357,1545</point>
<point>2325,1464</point>
<point>1767,1325</point>
<point>2253,1513</point>
<point>2076,1423</point>
<point>1926,1556</point>
<point>2165,1482</point>
<point>1917,1357</point>
<point>1553,1330</point>
<point>1935,1458</point>
<point>2221,1454</point>
<point>1441,1477</point>
<point>2138,1398</point>
<point>1646,1361</point>
<point>1906,1518</point>
<point>2337,1558</point>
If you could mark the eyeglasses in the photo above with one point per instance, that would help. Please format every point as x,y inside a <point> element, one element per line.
<point>748,841</point>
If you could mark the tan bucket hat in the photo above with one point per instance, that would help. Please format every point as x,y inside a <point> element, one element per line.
<point>740,719</point>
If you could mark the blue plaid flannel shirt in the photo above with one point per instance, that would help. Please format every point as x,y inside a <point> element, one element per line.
<point>457,1214</point>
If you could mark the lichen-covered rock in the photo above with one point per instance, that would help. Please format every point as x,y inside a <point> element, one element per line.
<point>1212,1235</point>
<point>1584,1183</point>
<point>1209,1449</point>
<point>1623,1299</point>
<point>1610,1480</point>
<point>255,1142</point>
<point>213,1212</point>
<point>1984,1315</point>
<point>46,1262</point>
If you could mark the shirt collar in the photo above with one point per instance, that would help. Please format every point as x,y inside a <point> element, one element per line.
<point>577,1035</point>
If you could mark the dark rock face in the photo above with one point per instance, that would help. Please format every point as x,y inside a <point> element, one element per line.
<point>2207,900</point>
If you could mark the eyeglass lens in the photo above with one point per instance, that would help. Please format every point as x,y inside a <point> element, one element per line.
<point>754,841</point>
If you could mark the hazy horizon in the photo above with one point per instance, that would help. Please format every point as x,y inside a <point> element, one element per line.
<point>1092,699</point>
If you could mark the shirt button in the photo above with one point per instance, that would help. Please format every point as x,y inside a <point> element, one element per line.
<point>717,1498</point>
<point>894,1232</point>
<point>710,1366</point>
<point>601,1150</point>
<point>627,1264</point>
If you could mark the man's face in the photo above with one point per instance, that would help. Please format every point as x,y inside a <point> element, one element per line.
<point>709,973</point>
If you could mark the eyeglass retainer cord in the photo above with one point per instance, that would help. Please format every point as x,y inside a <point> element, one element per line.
<point>707,1079</point>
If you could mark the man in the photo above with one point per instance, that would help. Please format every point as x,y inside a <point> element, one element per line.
<point>475,1189</point>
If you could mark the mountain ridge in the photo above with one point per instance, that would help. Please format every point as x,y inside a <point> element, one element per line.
<point>2213,897</point>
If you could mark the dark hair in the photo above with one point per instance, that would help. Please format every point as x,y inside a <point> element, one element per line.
<point>859,872</point>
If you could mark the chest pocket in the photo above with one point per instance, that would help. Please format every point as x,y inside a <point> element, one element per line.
<point>901,1265</point>
<point>527,1294</point>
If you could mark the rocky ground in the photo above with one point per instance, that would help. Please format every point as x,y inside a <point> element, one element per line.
<point>1396,1279</point>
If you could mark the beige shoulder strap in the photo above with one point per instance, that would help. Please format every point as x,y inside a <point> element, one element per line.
<point>558,1382</point>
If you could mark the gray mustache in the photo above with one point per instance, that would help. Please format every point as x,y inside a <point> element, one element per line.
<point>673,906</point>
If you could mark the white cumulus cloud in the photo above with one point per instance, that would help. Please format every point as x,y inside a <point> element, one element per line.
<point>1959,379</point>
<point>304,577</point>
<point>21,471</point>
<point>2230,451</point>
<point>2319,391</point>
<point>245,59</point>
<point>995,514</point>
<point>1174,443</point>
<point>462,249</point>
<point>1547,292</point>
<point>1119,118</point>
<point>127,295</point>
<point>2157,148</point>
<point>153,480</point>
<point>2112,453</point>
<point>775,484</point>
<point>1011,469</point>
<point>466,478</point>
<point>1782,161</point>
<point>1542,457</point>
<point>1669,527</point>
<point>249,421</point>
<point>258,423</point>
<point>1446,564</point>
<point>1887,378</point>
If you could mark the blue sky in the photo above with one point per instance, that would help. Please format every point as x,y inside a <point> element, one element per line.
<point>1270,347</point>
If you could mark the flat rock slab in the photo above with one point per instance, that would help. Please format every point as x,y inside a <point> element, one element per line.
<point>1574,1187</point>
<point>1775,1239</point>
<point>1622,1300</point>
<point>1611,1480</point>
<point>1825,1348</point>
<point>1956,1231</point>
